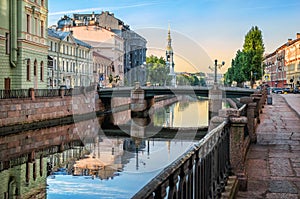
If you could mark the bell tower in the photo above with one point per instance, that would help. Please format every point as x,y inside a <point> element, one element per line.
<point>170,60</point>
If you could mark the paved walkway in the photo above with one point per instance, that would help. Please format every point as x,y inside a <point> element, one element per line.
<point>273,164</point>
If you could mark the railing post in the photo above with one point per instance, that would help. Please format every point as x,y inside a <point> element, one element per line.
<point>251,106</point>
<point>237,156</point>
<point>215,101</point>
<point>31,93</point>
<point>61,92</point>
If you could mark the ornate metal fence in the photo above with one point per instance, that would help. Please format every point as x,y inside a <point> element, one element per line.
<point>25,93</point>
<point>201,172</point>
<point>46,92</point>
<point>20,93</point>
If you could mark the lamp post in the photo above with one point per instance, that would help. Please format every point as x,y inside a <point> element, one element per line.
<point>216,70</point>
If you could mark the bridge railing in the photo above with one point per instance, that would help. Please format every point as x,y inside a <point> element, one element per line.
<point>9,94</point>
<point>201,172</point>
<point>36,93</point>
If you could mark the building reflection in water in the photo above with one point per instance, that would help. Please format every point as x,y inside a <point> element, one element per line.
<point>183,114</point>
<point>28,158</point>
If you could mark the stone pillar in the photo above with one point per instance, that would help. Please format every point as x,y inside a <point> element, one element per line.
<point>256,99</point>
<point>251,121</point>
<point>237,158</point>
<point>138,102</point>
<point>215,101</point>
<point>251,106</point>
<point>62,92</point>
<point>31,93</point>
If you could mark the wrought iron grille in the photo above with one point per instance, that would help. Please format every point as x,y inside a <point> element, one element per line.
<point>19,93</point>
<point>46,92</point>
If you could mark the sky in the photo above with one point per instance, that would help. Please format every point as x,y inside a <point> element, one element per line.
<point>201,30</point>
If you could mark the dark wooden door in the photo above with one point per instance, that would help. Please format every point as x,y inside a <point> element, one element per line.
<point>7,83</point>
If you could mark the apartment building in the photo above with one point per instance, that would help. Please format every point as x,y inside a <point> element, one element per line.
<point>71,61</point>
<point>23,44</point>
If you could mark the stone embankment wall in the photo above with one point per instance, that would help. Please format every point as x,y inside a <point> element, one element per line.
<point>23,111</point>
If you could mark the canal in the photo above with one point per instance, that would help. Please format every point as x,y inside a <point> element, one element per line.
<point>112,156</point>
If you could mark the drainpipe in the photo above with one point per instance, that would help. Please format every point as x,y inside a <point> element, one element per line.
<point>13,32</point>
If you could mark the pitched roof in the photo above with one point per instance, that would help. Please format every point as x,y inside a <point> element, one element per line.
<point>61,35</point>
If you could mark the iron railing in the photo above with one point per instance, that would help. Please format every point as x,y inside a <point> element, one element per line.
<point>201,172</point>
<point>20,93</point>
<point>46,92</point>
<point>25,93</point>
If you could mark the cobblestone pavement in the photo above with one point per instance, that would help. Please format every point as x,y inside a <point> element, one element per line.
<point>273,163</point>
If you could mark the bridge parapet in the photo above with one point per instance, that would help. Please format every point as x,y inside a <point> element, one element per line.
<point>139,102</point>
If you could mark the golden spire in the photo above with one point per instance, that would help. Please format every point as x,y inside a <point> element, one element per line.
<point>169,47</point>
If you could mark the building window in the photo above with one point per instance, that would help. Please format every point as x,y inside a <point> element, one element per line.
<point>36,26</point>
<point>28,24</point>
<point>55,47</point>
<point>54,64</point>
<point>42,3</point>
<point>42,71</point>
<point>35,68</point>
<point>42,28</point>
<point>7,43</point>
<point>28,69</point>
<point>51,45</point>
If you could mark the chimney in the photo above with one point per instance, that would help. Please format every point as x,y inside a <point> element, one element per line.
<point>290,40</point>
<point>298,35</point>
<point>71,32</point>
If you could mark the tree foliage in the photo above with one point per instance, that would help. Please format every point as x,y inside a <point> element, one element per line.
<point>191,80</point>
<point>247,64</point>
<point>157,71</point>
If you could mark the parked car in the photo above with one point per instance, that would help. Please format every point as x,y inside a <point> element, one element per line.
<point>288,90</point>
<point>277,90</point>
<point>296,90</point>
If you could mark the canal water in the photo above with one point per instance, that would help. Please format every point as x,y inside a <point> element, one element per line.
<point>92,159</point>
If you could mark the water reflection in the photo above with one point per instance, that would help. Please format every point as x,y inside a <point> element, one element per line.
<point>123,176</point>
<point>183,114</point>
<point>84,160</point>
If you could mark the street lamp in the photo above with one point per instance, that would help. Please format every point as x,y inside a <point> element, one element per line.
<point>216,68</point>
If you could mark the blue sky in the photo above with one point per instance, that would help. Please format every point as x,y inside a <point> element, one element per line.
<point>216,26</point>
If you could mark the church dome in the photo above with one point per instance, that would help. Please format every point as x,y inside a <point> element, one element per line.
<point>64,22</point>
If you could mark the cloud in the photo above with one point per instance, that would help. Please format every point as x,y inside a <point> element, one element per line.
<point>102,8</point>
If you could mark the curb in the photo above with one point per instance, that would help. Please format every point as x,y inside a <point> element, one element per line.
<point>291,106</point>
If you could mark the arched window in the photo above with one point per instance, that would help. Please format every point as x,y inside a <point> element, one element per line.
<point>28,69</point>
<point>35,68</point>
<point>42,71</point>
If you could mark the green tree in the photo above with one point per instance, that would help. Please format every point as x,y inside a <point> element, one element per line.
<point>253,50</point>
<point>247,64</point>
<point>157,70</point>
<point>182,80</point>
<point>238,66</point>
